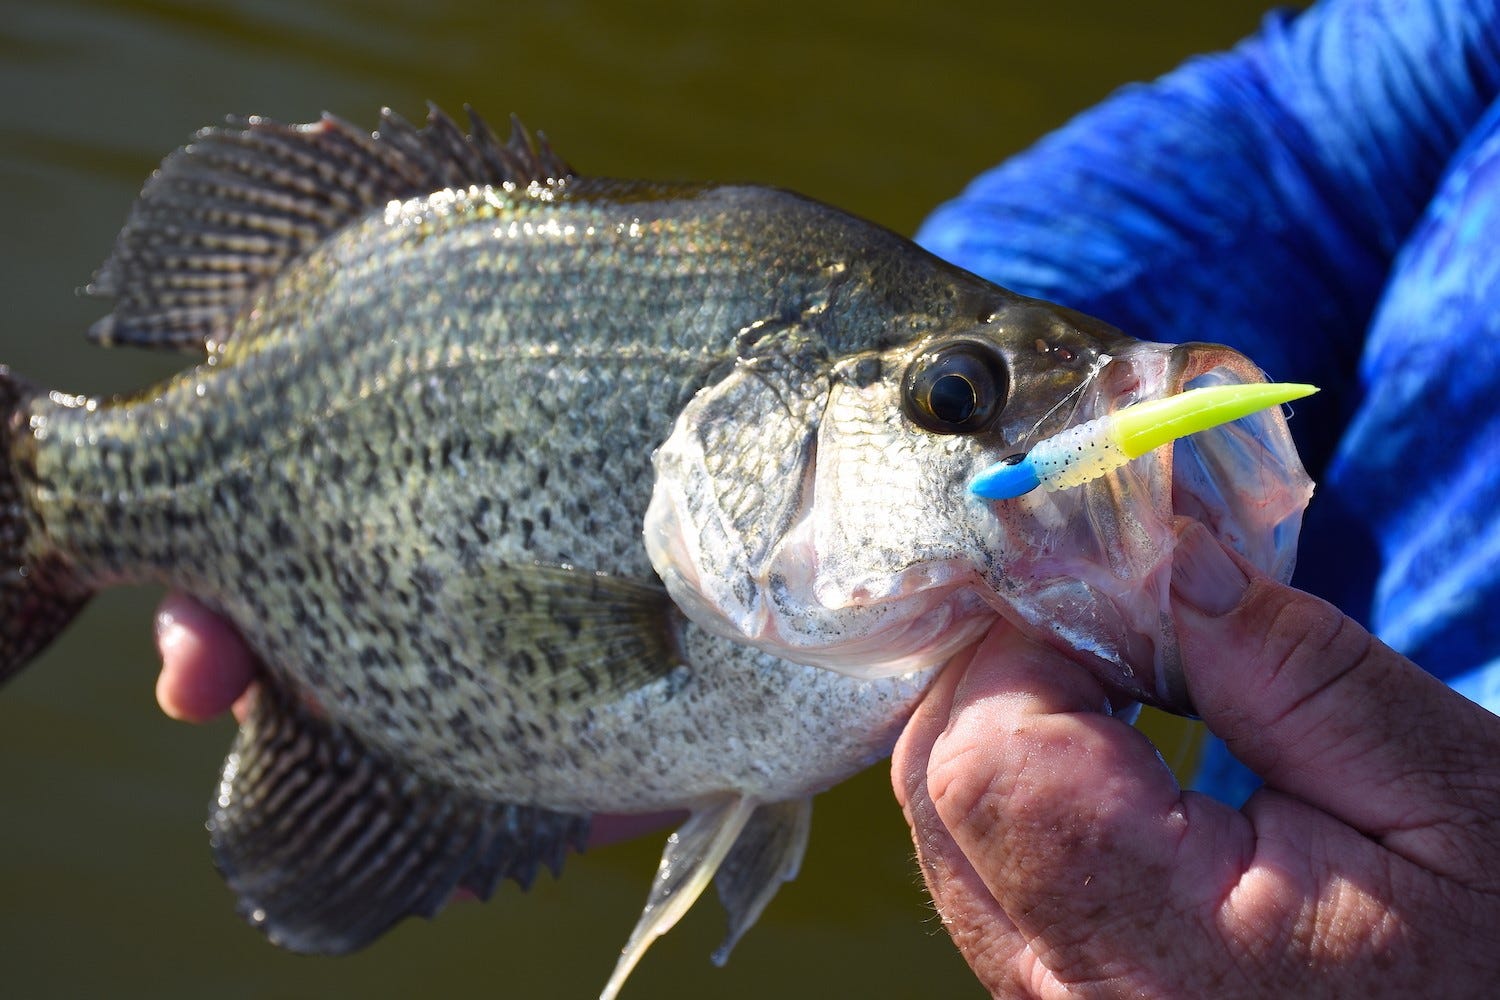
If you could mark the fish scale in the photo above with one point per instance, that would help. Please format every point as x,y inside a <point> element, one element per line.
<point>540,496</point>
<point>297,421</point>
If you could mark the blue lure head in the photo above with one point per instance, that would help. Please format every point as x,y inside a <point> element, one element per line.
<point>1009,478</point>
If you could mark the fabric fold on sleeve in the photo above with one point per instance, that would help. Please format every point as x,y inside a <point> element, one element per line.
<point>1231,199</point>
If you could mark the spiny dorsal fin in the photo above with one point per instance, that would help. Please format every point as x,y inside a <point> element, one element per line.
<point>327,844</point>
<point>226,212</point>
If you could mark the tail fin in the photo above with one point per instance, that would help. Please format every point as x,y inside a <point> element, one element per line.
<point>39,594</point>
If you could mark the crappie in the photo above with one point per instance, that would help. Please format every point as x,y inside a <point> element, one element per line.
<point>543,496</point>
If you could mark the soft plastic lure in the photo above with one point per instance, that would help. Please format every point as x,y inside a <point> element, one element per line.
<point>1100,446</point>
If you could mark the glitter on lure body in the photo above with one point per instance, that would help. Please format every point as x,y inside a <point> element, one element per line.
<point>1084,453</point>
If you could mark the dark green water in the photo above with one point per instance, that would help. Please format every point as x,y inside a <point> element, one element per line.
<point>105,883</point>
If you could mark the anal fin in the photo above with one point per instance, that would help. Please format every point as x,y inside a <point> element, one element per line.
<point>327,844</point>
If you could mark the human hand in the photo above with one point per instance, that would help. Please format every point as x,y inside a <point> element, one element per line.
<point>1064,859</point>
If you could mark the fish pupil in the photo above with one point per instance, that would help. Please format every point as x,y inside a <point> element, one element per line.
<point>953,399</point>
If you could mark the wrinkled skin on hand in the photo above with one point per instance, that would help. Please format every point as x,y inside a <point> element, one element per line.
<point>1065,861</point>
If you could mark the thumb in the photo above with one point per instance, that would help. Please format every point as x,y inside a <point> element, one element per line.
<point>1324,711</point>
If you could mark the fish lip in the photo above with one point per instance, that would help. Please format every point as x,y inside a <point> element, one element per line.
<point>1136,372</point>
<point>1144,370</point>
<point>1186,362</point>
<point>1189,360</point>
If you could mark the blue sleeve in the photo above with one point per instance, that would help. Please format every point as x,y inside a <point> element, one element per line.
<point>1418,468</point>
<point>1326,198</point>
<point>1254,198</point>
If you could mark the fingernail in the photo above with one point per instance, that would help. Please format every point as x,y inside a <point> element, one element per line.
<point>1203,575</point>
<point>175,617</point>
<point>168,629</point>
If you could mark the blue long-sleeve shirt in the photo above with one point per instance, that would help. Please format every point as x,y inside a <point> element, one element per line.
<point>1326,199</point>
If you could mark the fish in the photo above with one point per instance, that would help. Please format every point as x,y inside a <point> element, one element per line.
<point>543,495</point>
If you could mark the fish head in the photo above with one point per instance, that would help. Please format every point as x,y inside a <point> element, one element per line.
<point>821,510</point>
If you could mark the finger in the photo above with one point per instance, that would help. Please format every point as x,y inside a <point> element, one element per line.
<point>205,664</point>
<point>1324,711</point>
<point>1076,825</point>
<point>986,938</point>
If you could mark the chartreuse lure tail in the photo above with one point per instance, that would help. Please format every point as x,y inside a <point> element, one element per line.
<point>1100,446</point>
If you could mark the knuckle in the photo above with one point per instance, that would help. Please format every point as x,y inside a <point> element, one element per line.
<point>1301,649</point>
<point>966,790</point>
<point>1304,636</point>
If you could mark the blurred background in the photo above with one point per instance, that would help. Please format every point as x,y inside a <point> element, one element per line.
<point>106,888</point>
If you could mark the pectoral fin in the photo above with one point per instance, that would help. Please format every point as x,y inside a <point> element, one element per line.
<point>568,634</point>
<point>327,844</point>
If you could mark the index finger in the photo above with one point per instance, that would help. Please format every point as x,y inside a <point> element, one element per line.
<point>1043,819</point>
<point>1323,710</point>
<point>970,913</point>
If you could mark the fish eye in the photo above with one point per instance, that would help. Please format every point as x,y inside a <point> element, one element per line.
<point>956,388</point>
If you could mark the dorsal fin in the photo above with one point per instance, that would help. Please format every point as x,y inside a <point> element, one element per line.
<point>226,212</point>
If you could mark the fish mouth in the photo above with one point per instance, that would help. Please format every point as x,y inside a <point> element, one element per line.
<point>877,567</point>
<point>1096,581</point>
<point>1243,480</point>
